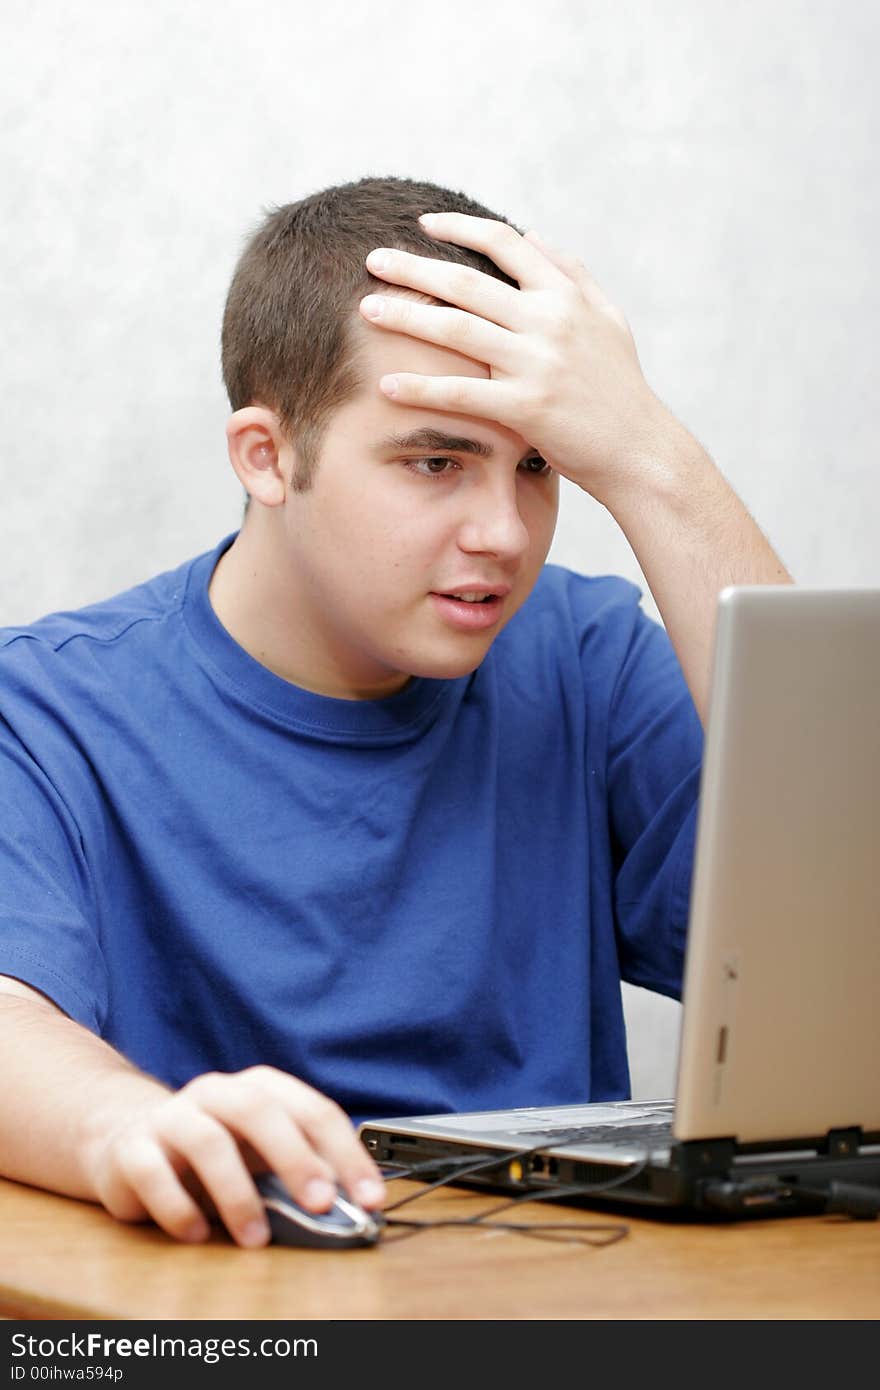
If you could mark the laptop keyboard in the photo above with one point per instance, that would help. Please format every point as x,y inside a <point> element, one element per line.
<point>651,1135</point>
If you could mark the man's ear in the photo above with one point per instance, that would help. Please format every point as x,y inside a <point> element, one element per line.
<point>256,444</point>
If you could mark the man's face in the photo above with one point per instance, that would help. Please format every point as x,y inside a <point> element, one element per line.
<point>389,526</point>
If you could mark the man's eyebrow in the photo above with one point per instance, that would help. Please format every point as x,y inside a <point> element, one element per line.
<point>427,438</point>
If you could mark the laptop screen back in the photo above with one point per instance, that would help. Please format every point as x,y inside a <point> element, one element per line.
<point>781,1022</point>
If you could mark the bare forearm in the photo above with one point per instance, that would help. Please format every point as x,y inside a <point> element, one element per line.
<point>692,536</point>
<point>62,1087</point>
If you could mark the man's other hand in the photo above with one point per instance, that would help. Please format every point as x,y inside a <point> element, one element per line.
<point>195,1149</point>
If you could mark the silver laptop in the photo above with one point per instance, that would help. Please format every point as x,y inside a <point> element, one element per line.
<point>777,1105</point>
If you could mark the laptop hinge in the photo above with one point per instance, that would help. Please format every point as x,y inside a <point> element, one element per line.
<point>704,1157</point>
<point>841,1143</point>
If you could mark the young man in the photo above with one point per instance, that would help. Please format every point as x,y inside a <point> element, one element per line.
<point>367,810</point>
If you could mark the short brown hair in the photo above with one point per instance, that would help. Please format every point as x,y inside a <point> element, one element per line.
<point>287,326</point>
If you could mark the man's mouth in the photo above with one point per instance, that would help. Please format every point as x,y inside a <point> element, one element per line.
<point>471,610</point>
<point>473,598</point>
<point>476,592</point>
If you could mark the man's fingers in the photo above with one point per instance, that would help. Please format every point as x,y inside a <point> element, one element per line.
<point>463,285</point>
<point>258,1119</point>
<point>144,1181</point>
<point>460,395</point>
<point>502,243</point>
<point>209,1149</point>
<point>330,1135</point>
<point>450,328</point>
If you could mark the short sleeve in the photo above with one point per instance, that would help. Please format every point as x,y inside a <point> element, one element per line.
<point>655,746</point>
<point>48,934</point>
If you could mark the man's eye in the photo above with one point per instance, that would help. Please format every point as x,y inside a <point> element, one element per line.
<point>429,467</point>
<point>438,466</point>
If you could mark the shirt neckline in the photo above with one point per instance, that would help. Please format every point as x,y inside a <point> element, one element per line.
<point>393,716</point>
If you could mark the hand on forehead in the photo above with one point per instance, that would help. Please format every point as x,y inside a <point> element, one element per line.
<point>563,371</point>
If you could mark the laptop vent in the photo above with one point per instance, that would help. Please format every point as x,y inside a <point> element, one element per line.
<point>591,1174</point>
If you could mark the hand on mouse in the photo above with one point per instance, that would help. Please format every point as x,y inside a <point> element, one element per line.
<point>210,1136</point>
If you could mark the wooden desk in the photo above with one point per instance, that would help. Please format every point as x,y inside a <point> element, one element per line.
<point>66,1259</point>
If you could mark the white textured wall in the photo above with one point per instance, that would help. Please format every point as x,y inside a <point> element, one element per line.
<point>714,164</point>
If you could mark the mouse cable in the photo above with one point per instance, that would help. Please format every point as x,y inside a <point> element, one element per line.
<point>594,1233</point>
<point>569,1232</point>
<point>465,1167</point>
<point>565,1232</point>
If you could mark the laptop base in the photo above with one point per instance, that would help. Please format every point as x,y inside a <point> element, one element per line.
<point>696,1181</point>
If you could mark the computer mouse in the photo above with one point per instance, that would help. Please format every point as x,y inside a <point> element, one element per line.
<point>343,1227</point>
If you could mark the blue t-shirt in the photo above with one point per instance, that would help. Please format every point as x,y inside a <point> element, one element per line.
<point>416,904</point>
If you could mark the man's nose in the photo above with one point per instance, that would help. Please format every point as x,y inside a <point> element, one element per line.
<point>493,524</point>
